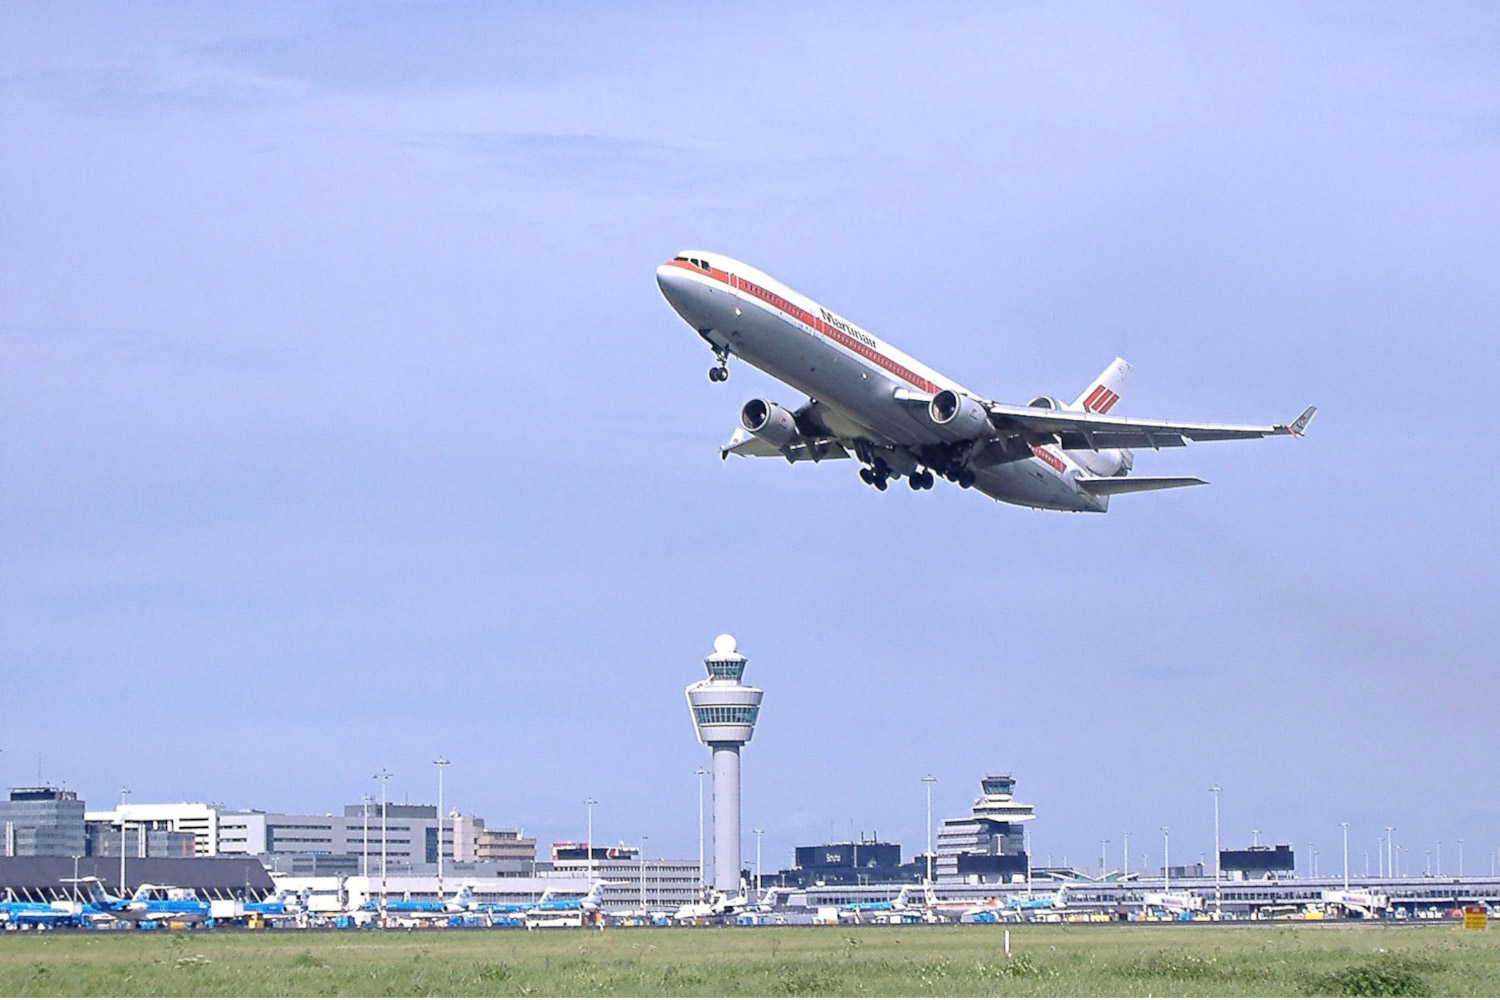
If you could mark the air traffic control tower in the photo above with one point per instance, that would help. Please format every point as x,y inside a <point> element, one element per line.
<point>724,713</point>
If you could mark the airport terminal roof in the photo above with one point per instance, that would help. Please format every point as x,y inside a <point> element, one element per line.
<point>42,877</point>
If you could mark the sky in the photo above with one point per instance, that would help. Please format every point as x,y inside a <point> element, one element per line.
<point>342,424</point>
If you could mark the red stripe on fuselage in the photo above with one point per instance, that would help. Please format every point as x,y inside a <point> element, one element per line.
<point>1049,458</point>
<point>801,315</point>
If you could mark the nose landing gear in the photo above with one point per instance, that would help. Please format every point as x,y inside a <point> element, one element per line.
<point>720,371</point>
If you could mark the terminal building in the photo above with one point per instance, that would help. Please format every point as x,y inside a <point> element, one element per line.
<point>1259,862</point>
<point>988,845</point>
<point>335,844</point>
<point>631,881</point>
<point>42,821</point>
<point>853,862</point>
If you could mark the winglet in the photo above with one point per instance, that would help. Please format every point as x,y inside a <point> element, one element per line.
<point>1298,427</point>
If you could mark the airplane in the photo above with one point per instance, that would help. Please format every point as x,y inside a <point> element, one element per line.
<point>286,903</point>
<point>148,904</point>
<point>886,910</point>
<point>1016,904</point>
<point>1173,902</point>
<point>897,417</point>
<point>459,902</point>
<point>19,913</point>
<point>721,904</point>
<point>567,912</point>
<point>509,914</point>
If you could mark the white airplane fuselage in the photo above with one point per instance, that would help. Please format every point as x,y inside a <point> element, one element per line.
<point>742,311</point>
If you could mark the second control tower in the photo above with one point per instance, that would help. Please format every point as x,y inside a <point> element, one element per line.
<point>724,713</point>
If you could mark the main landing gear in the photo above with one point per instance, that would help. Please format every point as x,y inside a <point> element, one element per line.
<point>922,480</point>
<point>876,474</point>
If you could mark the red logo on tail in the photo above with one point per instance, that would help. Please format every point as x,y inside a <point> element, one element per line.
<point>1101,400</point>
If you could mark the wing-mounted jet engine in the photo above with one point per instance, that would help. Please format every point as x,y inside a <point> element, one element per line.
<point>771,422</point>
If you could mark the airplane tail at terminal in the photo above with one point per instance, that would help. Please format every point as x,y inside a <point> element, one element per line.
<point>95,888</point>
<point>1105,391</point>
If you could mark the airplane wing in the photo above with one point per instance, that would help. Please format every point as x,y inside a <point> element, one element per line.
<point>1080,430</point>
<point>814,442</point>
<point>1100,486</point>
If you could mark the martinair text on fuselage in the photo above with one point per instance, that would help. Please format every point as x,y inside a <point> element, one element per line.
<point>898,418</point>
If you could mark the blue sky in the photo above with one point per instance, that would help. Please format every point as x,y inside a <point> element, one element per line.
<point>342,424</point>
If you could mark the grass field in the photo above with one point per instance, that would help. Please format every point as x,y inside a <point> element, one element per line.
<point>1046,960</point>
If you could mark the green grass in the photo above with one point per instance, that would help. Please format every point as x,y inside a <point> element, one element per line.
<point>1083,960</point>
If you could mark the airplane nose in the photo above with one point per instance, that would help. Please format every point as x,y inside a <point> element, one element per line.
<point>678,288</point>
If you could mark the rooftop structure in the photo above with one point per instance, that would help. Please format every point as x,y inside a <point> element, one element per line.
<point>988,845</point>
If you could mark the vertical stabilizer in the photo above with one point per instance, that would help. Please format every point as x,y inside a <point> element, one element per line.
<point>1105,391</point>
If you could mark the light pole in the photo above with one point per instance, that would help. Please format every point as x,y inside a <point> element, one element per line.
<point>1126,854</point>
<point>1166,860</point>
<point>1346,855</point>
<point>591,802</point>
<point>1460,857</point>
<point>928,780</point>
<point>1312,865</point>
<point>1103,857</point>
<point>384,776</point>
<point>644,838</point>
<point>123,793</point>
<point>758,831</point>
<point>1254,838</point>
<point>1440,857</point>
<point>1028,863</point>
<point>1390,853</point>
<point>702,875</point>
<point>441,763</point>
<point>365,850</point>
<point>1218,888</point>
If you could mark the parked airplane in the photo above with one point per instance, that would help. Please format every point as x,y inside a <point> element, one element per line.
<point>148,904</point>
<point>457,903</point>
<point>897,417</point>
<point>286,903</point>
<point>1016,904</point>
<point>886,910</point>
<point>1174,902</point>
<point>20,913</point>
<point>574,912</point>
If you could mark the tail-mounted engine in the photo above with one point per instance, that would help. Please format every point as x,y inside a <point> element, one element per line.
<point>1109,462</point>
<point>771,422</point>
<point>959,416</point>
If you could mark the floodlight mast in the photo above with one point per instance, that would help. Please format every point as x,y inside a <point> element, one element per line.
<point>441,763</point>
<point>725,711</point>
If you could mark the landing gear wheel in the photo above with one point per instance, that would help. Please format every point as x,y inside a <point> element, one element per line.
<point>966,478</point>
<point>915,482</point>
<point>718,373</point>
<point>867,475</point>
<point>880,484</point>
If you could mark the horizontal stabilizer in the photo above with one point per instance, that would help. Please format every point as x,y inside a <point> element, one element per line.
<point>1103,487</point>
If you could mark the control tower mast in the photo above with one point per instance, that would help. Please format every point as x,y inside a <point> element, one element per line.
<point>724,713</point>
